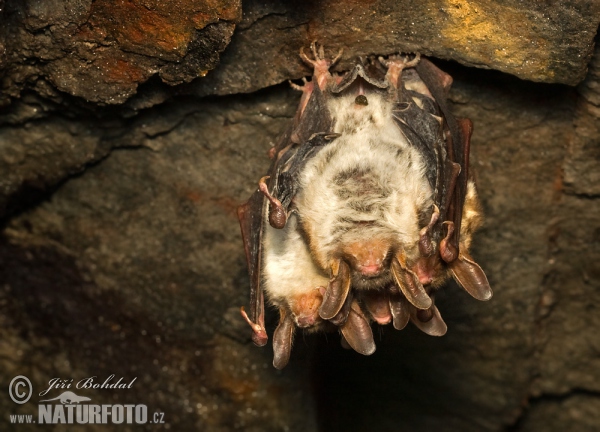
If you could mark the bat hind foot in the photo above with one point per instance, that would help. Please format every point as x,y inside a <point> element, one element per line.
<point>319,63</point>
<point>295,86</point>
<point>396,64</point>
<point>400,61</point>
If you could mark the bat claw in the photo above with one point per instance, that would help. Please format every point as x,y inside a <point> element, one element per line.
<point>277,214</point>
<point>401,61</point>
<point>337,57</point>
<point>301,88</point>
<point>295,86</point>
<point>415,61</point>
<point>259,333</point>
<point>313,48</point>
<point>321,51</point>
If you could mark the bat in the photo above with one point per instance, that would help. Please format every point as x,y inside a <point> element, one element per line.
<point>368,207</point>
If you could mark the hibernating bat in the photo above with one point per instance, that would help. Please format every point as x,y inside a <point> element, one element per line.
<point>368,207</point>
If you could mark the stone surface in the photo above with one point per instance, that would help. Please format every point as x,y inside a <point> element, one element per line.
<point>102,50</point>
<point>495,355</point>
<point>125,274</point>
<point>142,251</point>
<point>579,409</point>
<point>548,42</point>
<point>582,166</point>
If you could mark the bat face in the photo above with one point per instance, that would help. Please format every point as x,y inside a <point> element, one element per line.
<point>367,208</point>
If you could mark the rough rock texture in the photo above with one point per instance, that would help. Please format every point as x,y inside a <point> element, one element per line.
<point>120,252</point>
<point>532,40</point>
<point>501,358</point>
<point>135,268</point>
<point>582,167</point>
<point>102,50</point>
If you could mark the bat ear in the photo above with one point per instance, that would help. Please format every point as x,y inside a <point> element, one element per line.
<point>434,325</point>
<point>399,308</point>
<point>337,291</point>
<point>409,284</point>
<point>357,331</point>
<point>282,339</point>
<point>471,277</point>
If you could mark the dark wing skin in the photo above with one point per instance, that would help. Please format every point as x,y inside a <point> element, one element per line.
<point>312,130</point>
<point>309,132</point>
<point>250,216</point>
<point>446,160</point>
<point>455,178</point>
<point>457,148</point>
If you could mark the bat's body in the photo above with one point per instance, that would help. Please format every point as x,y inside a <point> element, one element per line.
<point>360,197</point>
<point>368,204</point>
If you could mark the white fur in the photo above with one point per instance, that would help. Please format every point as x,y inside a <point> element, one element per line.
<point>395,191</point>
<point>288,267</point>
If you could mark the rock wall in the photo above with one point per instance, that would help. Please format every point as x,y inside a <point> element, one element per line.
<point>131,130</point>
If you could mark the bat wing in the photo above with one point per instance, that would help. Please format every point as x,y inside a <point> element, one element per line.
<point>454,178</point>
<point>442,140</point>
<point>454,175</point>
<point>250,216</point>
<point>309,132</point>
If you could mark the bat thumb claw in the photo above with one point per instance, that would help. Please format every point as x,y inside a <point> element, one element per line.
<point>259,333</point>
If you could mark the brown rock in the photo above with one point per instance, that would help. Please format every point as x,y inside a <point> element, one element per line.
<point>582,165</point>
<point>479,374</point>
<point>143,252</point>
<point>135,268</point>
<point>532,40</point>
<point>101,51</point>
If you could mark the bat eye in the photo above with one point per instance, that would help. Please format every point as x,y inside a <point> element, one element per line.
<point>361,100</point>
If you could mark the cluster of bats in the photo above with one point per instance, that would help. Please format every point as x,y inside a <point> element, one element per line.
<point>368,207</point>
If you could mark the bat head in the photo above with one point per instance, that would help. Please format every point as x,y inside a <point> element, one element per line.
<point>368,257</point>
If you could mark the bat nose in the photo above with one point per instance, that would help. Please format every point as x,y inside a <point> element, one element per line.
<point>369,269</point>
<point>368,256</point>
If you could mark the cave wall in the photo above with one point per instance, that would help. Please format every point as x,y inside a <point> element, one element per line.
<point>129,133</point>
